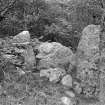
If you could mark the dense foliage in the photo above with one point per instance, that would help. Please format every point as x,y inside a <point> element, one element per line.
<point>50,20</point>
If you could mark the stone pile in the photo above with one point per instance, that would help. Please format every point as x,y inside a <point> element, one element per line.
<point>56,62</point>
<point>53,58</point>
<point>19,51</point>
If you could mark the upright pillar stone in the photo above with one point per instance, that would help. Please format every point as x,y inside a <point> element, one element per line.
<point>88,56</point>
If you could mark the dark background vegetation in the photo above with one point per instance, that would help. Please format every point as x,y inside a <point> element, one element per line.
<point>50,21</point>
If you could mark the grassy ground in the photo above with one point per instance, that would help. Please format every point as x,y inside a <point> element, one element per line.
<point>30,90</point>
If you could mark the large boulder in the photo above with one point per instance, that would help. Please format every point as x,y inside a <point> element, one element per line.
<point>54,55</point>
<point>47,49</point>
<point>22,38</point>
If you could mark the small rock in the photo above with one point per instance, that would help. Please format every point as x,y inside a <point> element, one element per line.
<point>20,71</point>
<point>66,101</point>
<point>77,88</point>
<point>67,81</point>
<point>7,56</point>
<point>70,93</point>
<point>22,38</point>
<point>18,50</point>
<point>53,74</point>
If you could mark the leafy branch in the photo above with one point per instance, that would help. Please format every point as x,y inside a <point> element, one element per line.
<point>6,9</point>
